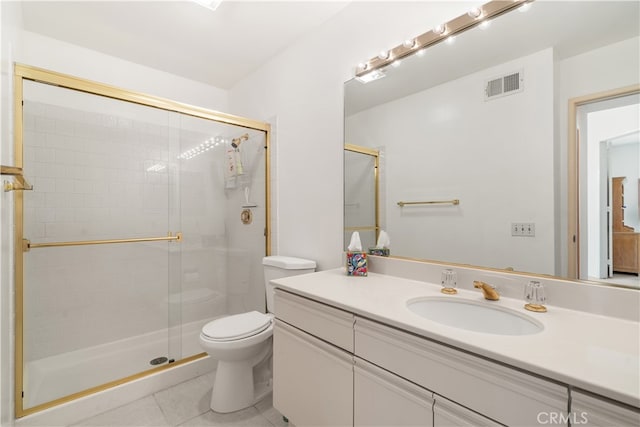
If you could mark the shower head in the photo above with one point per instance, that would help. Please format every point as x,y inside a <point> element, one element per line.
<point>235,142</point>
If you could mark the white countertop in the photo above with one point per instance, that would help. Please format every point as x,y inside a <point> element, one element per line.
<point>593,352</point>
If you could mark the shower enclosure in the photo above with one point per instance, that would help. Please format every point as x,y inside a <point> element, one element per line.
<point>361,194</point>
<point>147,218</point>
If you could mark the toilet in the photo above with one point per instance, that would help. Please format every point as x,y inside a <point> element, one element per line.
<point>242,344</point>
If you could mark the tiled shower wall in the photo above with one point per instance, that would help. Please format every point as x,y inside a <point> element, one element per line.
<point>90,173</point>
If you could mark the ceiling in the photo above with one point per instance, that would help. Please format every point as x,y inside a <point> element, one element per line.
<point>218,47</point>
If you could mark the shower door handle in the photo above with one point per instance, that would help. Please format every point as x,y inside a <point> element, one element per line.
<point>27,245</point>
<point>20,184</point>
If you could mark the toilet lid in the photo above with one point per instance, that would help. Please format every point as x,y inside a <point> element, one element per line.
<point>237,326</point>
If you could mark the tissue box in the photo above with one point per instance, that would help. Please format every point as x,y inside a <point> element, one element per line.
<point>356,264</point>
<point>379,251</point>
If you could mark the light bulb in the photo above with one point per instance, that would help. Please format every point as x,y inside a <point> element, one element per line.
<point>384,54</point>
<point>362,66</point>
<point>440,29</point>
<point>475,13</point>
<point>409,43</point>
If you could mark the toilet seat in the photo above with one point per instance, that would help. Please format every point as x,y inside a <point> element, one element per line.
<point>237,326</point>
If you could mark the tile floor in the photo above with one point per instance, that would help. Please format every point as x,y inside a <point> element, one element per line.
<point>630,279</point>
<point>185,404</point>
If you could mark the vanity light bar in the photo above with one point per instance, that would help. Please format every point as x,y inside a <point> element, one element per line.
<point>442,32</point>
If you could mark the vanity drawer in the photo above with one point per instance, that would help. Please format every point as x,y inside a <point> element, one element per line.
<point>496,391</point>
<point>384,399</point>
<point>320,320</point>
<point>593,411</point>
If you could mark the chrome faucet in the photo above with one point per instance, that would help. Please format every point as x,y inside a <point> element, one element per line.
<point>489,291</point>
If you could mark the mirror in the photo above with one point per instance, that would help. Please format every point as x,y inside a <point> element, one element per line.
<point>446,130</point>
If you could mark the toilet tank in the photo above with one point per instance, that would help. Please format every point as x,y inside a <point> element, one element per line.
<point>277,267</point>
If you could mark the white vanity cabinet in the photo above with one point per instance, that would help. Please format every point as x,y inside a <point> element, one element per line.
<point>592,411</point>
<point>384,399</point>
<point>312,362</point>
<point>498,392</point>
<point>334,368</point>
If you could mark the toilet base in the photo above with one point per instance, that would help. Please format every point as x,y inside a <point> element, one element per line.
<point>239,385</point>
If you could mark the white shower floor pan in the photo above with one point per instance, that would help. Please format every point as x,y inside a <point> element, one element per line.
<point>65,374</point>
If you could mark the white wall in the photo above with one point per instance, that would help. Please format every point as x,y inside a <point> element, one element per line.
<point>447,119</point>
<point>303,88</point>
<point>55,55</point>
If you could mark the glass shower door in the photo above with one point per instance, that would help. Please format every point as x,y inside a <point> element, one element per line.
<point>222,210</point>
<point>99,251</point>
<point>147,218</point>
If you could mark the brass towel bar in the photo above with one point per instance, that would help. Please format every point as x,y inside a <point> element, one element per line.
<point>365,228</point>
<point>434,202</point>
<point>27,245</point>
<point>20,184</point>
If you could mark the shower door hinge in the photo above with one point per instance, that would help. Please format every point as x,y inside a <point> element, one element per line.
<point>26,245</point>
<point>19,182</point>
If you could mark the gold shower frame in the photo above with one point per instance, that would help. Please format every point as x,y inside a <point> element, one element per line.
<point>376,176</point>
<point>25,72</point>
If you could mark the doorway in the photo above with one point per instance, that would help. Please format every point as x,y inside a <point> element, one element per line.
<point>604,150</point>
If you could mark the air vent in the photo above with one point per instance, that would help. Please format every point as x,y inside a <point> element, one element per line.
<point>504,85</point>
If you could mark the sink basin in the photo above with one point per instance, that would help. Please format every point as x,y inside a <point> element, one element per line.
<point>474,316</point>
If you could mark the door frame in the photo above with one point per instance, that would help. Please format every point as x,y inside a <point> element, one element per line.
<point>573,181</point>
<point>605,236</point>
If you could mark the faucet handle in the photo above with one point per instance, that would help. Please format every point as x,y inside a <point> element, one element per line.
<point>535,296</point>
<point>449,280</point>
